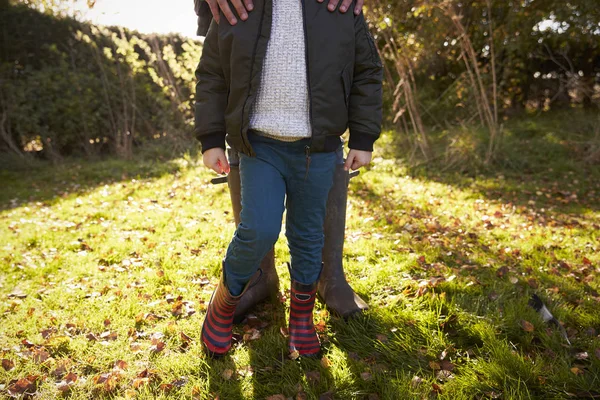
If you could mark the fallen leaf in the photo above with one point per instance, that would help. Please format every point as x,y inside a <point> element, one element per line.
<point>139,382</point>
<point>120,365</point>
<point>40,356</point>
<point>7,364</point>
<point>382,338</point>
<point>227,374</point>
<point>326,396</point>
<point>577,371</point>
<point>436,388</point>
<point>313,377</point>
<point>325,362</point>
<point>366,376</point>
<point>527,326</point>
<point>157,346</point>
<point>446,365</point>
<point>416,381</point>
<point>253,334</point>
<point>166,387</point>
<point>23,386</point>
<point>444,375</point>
<point>434,365</point>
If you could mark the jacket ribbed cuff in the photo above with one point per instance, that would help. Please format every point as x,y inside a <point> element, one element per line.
<point>211,141</point>
<point>361,141</point>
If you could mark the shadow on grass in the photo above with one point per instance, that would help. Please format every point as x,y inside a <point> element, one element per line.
<point>480,308</point>
<point>543,163</point>
<point>48,183</point>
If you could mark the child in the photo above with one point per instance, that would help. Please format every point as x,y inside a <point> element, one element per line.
<point>281,88</point>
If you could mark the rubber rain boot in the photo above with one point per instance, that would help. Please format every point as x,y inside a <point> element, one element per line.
<point>333,288</point>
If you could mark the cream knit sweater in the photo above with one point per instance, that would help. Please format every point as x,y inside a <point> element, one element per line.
<point>281,109</point>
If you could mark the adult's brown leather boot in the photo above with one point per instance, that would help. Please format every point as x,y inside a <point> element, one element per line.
<point>268,286</point>
<point>333,288</point>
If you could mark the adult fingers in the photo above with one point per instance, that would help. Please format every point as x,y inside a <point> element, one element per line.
<point>332,5</point>
<point>345,5</point>
<point>358,7</point>
<point>224,6</point>
<point>349,161</point>
<point>249,5</point>
<point>224,164</point>
<point>357,164</point>
<point>241,9</point>
<point>214,9</point>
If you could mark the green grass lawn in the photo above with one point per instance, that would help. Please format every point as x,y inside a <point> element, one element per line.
<point>107,267</point>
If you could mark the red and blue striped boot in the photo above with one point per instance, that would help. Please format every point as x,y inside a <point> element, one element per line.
<point>218,324</point>
<point>303,336</point>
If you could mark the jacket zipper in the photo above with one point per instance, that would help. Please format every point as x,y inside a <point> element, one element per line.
<point>245,140</point>
<point>307,149</point>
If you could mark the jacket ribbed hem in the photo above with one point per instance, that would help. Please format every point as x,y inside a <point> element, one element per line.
<point>211,141</point>
<point>361,141</point>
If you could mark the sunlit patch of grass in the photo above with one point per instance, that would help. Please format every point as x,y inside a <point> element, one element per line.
<point>105,261</point>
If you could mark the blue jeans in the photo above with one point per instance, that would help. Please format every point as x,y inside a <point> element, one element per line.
<point>278,173</point>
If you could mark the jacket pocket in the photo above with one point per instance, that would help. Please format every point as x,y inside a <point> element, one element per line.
<point>347,83</point>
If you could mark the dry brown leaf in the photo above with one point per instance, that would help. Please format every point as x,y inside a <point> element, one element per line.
<point>139,382</point>
<point>253,334</point>
<point>436,388</point>
<point>577,371</point>
<point>527,326</point>
<point>434,365</point>
<point>366,376</point>
<point>227,374</point>
<point>277,397</point>
<point>382,338</point>
<point>7,364</point>
<point>157,346</point>
<point>40,355</point>
<point>313,377</point>
<point>120,365</point>
<point>447,365</point>
<point>325,362</point>
<point>416,381</point>
<point>23,386</point>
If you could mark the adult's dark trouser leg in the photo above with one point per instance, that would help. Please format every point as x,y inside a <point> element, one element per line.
<point>333,288</point>
<point>268,285</point>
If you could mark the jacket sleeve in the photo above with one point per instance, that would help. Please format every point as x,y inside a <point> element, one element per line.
<point>211,95</point>
<point>204,16</point>
<point>366,99</point>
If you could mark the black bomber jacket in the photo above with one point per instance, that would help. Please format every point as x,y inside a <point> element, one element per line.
<point>344,76</point>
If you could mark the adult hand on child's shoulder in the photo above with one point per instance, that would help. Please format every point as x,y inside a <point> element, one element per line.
<point>216,160</point>
<point>242,7</point>
<point>345,5</point>
<point>357,159</point>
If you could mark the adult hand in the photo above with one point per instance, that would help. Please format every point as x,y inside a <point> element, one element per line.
<point>216,160</point>
<point>345,4</point>
<point>357,159</point>
<point>241,9</point>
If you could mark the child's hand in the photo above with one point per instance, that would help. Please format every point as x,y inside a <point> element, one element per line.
<point>216,160</point>
<point>357,159</point>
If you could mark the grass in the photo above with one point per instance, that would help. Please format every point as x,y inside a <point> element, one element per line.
<point>107,267</point>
